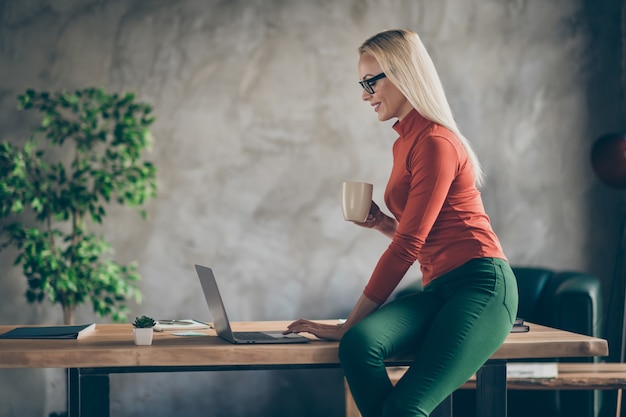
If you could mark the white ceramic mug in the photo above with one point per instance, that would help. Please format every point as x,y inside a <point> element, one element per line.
<point>356,200</point>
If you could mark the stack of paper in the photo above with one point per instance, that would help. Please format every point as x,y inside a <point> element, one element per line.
<point>183,324</point>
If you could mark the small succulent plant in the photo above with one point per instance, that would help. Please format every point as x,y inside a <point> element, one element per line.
<point>144,322</point>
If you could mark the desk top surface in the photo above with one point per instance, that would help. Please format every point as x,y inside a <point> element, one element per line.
<point>111,345</point>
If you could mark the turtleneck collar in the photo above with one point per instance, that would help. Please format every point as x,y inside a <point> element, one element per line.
<point>411,124</point>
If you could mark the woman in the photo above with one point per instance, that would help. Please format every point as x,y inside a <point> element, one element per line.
<point>469,301</point>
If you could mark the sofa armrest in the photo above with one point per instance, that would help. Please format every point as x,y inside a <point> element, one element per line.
<point>572,302</point>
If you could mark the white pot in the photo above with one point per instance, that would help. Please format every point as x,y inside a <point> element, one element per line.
<point>143,337</point>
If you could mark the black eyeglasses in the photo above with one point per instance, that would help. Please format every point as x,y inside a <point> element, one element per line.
<point>371,82</point>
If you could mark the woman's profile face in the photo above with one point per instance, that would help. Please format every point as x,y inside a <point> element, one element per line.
<point>387,100</point>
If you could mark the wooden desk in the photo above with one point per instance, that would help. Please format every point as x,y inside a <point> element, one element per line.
<point>110,349</point>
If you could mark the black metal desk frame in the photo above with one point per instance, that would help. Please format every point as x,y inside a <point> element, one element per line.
<point>88,388</point>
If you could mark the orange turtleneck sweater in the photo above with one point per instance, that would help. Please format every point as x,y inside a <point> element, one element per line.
<point>441,219</point>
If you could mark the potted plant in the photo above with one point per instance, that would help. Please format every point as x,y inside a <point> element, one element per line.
<point>54,195</point>
<point>143,330</point>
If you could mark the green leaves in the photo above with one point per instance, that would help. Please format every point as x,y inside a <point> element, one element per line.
<point>100,140</point>
<point>144,322</point>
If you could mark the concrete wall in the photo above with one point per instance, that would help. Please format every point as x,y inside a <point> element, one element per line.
<point>259,120</point>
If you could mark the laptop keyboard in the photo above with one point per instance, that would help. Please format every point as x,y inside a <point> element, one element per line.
<point>253,336</point>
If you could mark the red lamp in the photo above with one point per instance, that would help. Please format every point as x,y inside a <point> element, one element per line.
<point>608,158</point>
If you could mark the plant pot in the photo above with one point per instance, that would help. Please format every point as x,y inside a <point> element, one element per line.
<point>143,337</point>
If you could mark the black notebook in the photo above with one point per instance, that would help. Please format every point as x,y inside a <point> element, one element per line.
<point>519,326</point>
<point>49,332</point>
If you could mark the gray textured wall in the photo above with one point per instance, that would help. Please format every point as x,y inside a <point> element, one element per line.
<point>259,120</point>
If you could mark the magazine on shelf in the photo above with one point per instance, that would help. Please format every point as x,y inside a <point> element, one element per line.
<point>532,370</point>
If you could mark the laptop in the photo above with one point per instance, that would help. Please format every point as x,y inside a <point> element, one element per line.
<point>220,319</point>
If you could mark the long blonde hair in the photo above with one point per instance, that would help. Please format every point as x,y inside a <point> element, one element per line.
<point>407,64</point>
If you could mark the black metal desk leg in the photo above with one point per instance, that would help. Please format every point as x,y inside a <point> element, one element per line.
<point>444,409</point>
<point>73,393</point>
<point>87,394</point>
<point>491,389</point>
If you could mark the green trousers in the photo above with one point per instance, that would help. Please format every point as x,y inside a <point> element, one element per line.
<point>451,328</point>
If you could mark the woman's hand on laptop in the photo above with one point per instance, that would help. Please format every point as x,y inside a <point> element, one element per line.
<point>362,308</point>
<point>323,331</point>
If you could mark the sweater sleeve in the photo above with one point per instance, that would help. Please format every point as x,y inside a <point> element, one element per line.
<point>433,164</point>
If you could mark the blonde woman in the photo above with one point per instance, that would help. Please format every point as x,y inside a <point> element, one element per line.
<point>469,302</point>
